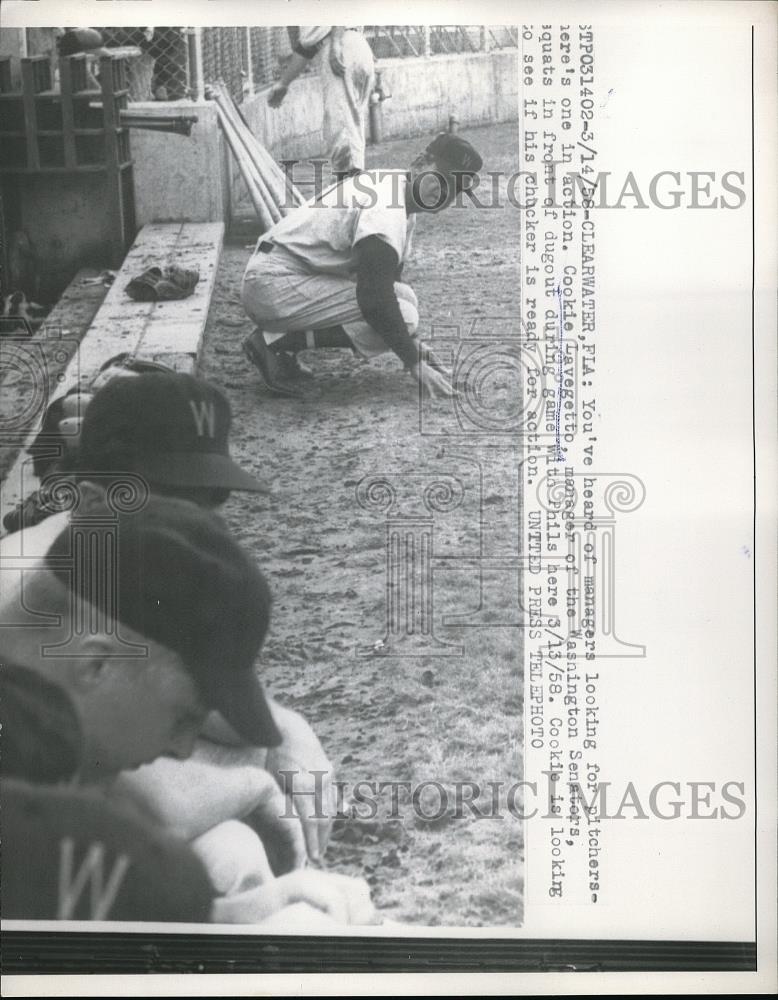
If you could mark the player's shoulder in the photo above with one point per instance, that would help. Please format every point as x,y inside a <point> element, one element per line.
<point>377,187</point>
<point>33,542</point>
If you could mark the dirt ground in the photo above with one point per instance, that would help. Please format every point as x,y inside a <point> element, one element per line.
<point>386,718</point>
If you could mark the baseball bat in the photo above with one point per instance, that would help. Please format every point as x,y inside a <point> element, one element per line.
<point>285,195</point>
<point>247,172</point>
<point>246,157</point>
<point>272,195</point>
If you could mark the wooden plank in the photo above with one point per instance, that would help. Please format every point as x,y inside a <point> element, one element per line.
<point>30,116</point>
<point>68,122</point>
<point>170,332</point>
<point>125,325</point>
<point>178,327</point>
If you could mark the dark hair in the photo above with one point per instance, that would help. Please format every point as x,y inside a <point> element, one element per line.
<point>203,496</point>
<point>41,736</point>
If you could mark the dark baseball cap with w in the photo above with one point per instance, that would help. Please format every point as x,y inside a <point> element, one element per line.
<point>179,578</point>
<point>171,428</point>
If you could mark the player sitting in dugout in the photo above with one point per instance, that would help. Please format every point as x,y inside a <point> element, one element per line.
<point>327,275</point>
<point>184,588</point>
<point>171,431</point>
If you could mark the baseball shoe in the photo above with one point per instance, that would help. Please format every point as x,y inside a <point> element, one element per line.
<point>269,366</point>
<point>291,366</point>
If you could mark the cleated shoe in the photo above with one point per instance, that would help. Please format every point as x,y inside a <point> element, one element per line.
<point>269,367</point>
<point>291,366</point>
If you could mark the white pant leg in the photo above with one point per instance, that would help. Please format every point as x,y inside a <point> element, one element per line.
<point>345,99</point>
<point>234,858</point>
<point>281,297</point>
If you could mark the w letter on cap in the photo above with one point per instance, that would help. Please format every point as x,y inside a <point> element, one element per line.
<point>102,893</point>
<point>204,414</point>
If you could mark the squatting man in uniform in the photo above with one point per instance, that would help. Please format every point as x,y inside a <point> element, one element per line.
<point>327,275</point>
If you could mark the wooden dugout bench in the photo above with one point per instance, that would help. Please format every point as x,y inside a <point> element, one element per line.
<point>168,332</point>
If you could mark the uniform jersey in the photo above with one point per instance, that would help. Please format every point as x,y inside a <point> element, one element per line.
<point>71,855</point>
<point>322,234</point>
<point>22,552</point>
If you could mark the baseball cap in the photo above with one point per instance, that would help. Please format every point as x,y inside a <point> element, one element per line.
<point>41,738</point>
<point>183,581</point>
<point>171,428</point>
<point>455,153</point>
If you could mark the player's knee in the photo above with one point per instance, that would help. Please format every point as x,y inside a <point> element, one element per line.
<point>405,293</point>
<point>234,857</point>
<point>245,299</point>
<point>410,314</point>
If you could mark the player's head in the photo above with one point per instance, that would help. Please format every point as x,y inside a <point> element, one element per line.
<point>171,429</point>
<point>161,616</point>
<point>448,165</point>
<point>56,446</point>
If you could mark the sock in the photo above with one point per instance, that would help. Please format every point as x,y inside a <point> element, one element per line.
<point>293,342</point>
<point>333,336</point>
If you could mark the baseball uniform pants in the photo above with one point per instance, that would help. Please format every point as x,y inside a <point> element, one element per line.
<point>282,295</point>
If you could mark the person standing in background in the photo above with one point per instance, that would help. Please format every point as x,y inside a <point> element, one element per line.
<point>344,62</point>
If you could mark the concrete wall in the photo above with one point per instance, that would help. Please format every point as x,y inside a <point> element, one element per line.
<point>181,178</point>
<point>64,222</point>
<point>193,180</point>
<point>479,89</point>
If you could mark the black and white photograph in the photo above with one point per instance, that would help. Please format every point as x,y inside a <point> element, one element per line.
<point>334,360</point>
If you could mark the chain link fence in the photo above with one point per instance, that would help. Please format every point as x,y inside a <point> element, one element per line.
<point>270,48</point>
<point>404,41</point>
<point>162,72</point>
<point>225,57</point>
<point>176,63</point>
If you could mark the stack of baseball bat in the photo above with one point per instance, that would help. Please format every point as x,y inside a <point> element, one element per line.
<point>271,191</point>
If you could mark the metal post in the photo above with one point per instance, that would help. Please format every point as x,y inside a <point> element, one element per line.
<point>197,79</point>
<point>426,41</point>
<point>249,83</point>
